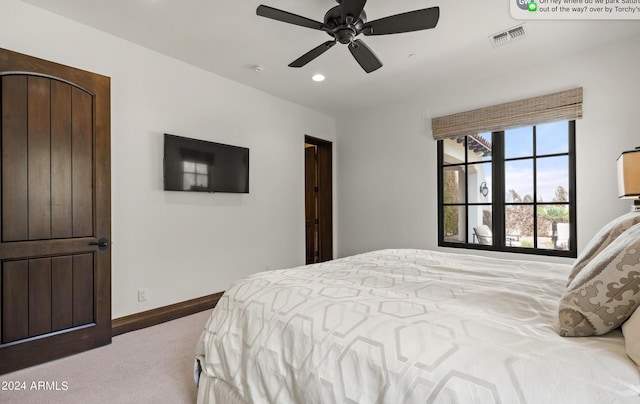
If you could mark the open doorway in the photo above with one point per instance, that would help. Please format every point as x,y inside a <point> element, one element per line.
<point>318,200</point>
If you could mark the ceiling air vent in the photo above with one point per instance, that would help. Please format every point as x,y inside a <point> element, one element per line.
<point>504,37</point>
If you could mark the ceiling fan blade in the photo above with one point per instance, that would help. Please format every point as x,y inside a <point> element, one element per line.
<point>312,54</point>
<point>406,22</point>
<point>352,8</point>
<point>364,56</point>
<point>285,16</point>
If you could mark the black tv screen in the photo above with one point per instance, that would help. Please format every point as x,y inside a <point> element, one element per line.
<point>203,166</point>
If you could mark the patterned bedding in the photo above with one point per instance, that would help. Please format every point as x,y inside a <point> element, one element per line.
<point>406,326</point>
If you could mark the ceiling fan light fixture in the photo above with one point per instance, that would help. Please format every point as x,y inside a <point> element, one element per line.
<point>318,77</point>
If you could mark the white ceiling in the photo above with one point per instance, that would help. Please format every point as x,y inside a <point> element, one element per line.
<point>229,39</point>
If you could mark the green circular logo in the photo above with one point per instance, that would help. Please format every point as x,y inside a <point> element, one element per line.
<point>532,6</point>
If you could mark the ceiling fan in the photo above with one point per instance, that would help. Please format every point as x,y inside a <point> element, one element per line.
<point>346,21</point>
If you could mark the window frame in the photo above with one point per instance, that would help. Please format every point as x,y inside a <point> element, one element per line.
<point>498,203</point>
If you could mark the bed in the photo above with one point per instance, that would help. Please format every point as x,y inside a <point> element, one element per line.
<point>407,326</point>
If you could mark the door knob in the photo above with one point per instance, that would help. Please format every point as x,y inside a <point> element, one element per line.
<point>102,244</point>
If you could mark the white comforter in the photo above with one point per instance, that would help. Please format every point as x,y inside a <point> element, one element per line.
<point>407,326</point>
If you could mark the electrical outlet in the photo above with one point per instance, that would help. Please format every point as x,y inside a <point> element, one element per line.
<point>143,295</point>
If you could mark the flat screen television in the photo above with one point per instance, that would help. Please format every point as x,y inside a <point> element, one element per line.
<point>203,166</point>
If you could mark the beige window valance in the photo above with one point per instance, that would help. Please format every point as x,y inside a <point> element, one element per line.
<point>564,105</point>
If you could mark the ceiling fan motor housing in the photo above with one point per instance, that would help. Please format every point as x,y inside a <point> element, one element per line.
<point>344,31</point>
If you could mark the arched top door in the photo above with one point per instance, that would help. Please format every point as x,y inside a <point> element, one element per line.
<point>55,278</point>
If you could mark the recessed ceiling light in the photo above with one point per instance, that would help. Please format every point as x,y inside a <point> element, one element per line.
<point>318,77</point>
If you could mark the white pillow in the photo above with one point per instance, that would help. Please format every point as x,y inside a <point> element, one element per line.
<point>631,332</point>
<point>602,239</point>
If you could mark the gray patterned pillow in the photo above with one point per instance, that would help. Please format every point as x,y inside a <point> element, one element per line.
<point>631,332</point>
<point>607,290</point>
<point>602,239</point>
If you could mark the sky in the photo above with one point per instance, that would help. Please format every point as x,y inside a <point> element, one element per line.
<point>551,138</point>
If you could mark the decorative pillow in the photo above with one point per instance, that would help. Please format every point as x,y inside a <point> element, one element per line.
<point>631,332</point>
<point>602,239</point>
<point>607,290</point>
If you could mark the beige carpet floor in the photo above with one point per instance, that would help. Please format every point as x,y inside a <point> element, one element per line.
<point>152,365</point>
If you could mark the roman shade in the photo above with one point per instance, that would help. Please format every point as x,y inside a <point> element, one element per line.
<point>564,105</point>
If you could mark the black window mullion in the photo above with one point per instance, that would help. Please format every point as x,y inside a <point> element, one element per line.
<point>573,202</point>
<point>535,188</point>
<point>499,211</point>
<point>440,169</point>
<point>466,189</point>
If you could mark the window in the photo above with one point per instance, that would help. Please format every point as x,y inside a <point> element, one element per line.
<point>510,190</point>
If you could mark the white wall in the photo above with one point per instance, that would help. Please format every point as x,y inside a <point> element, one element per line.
<point>182,245</point>
<point>387,189</point>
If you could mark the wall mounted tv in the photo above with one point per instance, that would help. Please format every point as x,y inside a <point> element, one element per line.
<point>202,166</point>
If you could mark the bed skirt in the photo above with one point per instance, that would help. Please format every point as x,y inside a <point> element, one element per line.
<point>212,390</point>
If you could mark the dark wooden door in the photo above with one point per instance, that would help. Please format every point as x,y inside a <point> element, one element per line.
<point>55,214</point>
<point>311,203</point>
<point>321,204</point>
